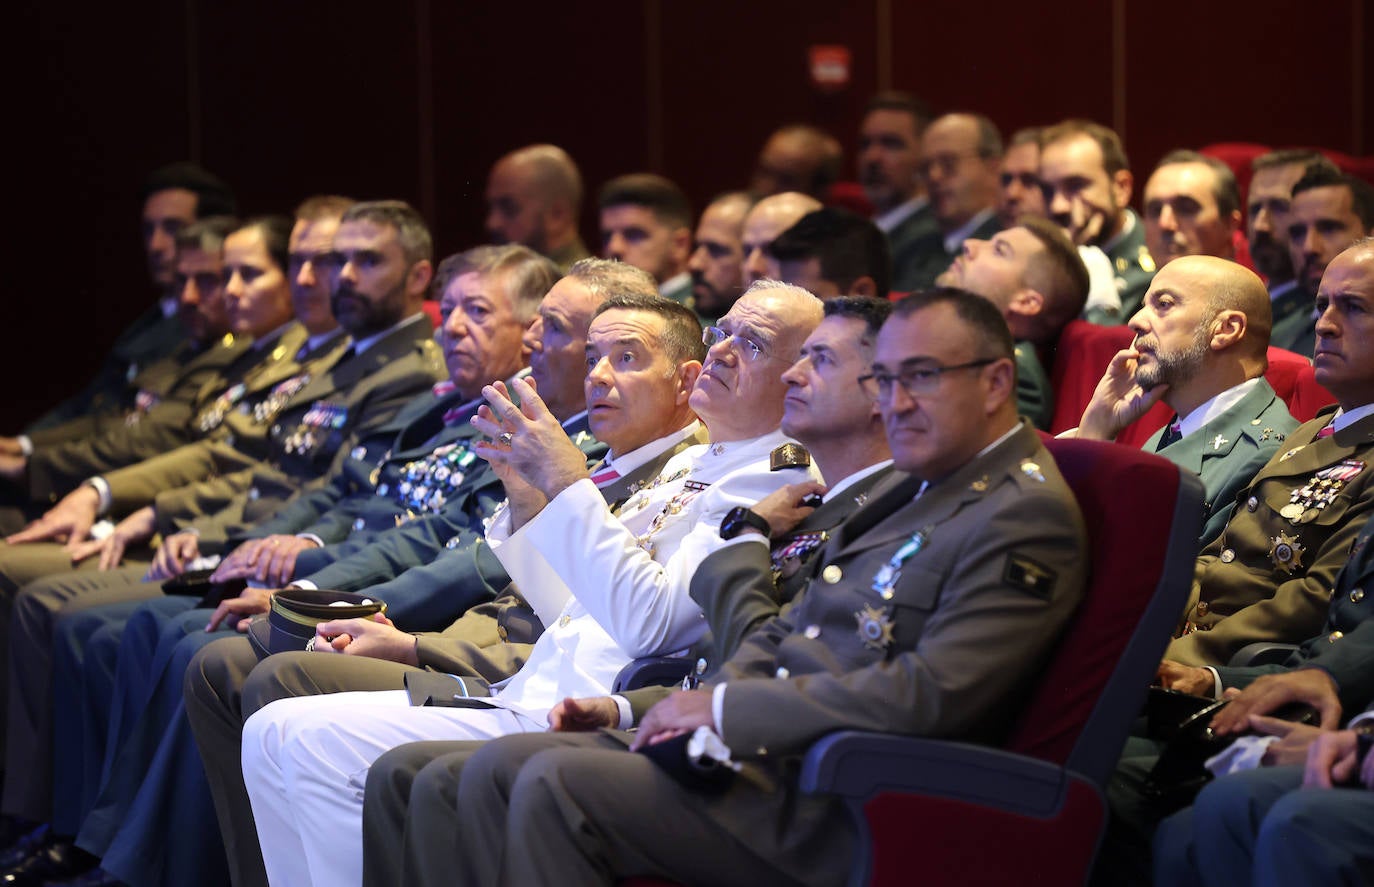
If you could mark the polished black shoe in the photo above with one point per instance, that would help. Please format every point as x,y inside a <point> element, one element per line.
<point>23,847</point>
<point>58,858</point>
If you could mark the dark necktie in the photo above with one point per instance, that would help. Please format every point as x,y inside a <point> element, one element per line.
<point>1173,434</point>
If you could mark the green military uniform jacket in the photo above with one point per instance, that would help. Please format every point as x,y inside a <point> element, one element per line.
<point>1344,647</point>
<point>1134,267</point>
<point>318,424</point>
<point>1034,393</point>
<point>162,426</point>
<point>1268,576</point>
<point>925,258</point>
<point>1295,321</point>
<point>1230,450</point>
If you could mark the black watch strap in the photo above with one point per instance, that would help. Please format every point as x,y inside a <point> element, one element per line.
<point>738,519</point>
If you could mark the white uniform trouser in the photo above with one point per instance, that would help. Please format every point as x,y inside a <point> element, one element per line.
<point>305,761</point>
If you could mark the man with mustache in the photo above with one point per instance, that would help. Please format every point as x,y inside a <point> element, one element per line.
<point>1087,183</point>
<point>920,618</point>
<point>1329,211</point>
<point>1192,208</point>
<point>534,198</point>
<point>1268,202</point>
<point>607,588</point>
<point>1200,344</point>
<point>889,163</point>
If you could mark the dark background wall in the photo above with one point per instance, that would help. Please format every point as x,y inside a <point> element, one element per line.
<point>416,98</point>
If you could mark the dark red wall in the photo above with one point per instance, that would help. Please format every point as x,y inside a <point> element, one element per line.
<point>415,99</point>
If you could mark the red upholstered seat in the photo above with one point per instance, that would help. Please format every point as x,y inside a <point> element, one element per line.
<point>1085,349</point>
<point>432,309</point>
<point>966,814</point>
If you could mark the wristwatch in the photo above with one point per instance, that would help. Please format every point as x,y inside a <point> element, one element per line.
<point>738,519</point>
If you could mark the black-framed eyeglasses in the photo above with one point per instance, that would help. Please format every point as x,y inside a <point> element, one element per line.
<point>747,347</point>
<point>915,381</point>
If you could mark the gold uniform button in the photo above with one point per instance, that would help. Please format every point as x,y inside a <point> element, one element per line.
<point>782,673</point>
<point>1357,595</point>
<point>1202,608</point>
<point>501,632</point>
<point>1334,636</point>
<point>832,574</point>
<point>1228,555</point>
<point>1251,504</point>
<point>812,632</point>
<point>564,620</point>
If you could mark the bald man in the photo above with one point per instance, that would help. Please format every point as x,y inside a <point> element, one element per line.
<point>797,157</point>
<point>534,197</point>
<point>1201,339</point>
<point>770,217</point>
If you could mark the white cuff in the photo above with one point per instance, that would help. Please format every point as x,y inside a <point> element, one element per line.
<point>102,489</point>
<point>312,538</point>
<point>743,538</point>
<point>25,445</point>
<point>304,583</point>
<point>1365,718</point>
<point>718,709</point>
<point>627,716</point>
<point>1216,682</point>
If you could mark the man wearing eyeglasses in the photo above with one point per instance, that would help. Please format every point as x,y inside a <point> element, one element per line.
<point>927,613</point>
<point>607,587</point>
<point>960,168</point>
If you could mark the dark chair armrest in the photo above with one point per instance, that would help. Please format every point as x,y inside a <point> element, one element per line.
<point>1261,653</point>
<point>652,671</point>
<point>857,765</point>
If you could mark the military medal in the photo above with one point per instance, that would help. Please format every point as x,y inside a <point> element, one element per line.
<point>1320,490</point>
<point>886,578</point>
<point>788,559</point>
<point>267,409</point>
<point>1286,552</point>
<point>214,414</point>
<point>874,628</point>
<point>690,490</point>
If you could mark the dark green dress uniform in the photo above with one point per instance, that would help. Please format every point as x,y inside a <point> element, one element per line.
<point>1268,576</point>
<point>1229,451</point>
<point>1034,393</point>
<point>1295,321</point>
<point>926,258</point>
<point>1134,268</point>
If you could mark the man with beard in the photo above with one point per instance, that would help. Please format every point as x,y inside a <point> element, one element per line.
<point>1200,344</point>
<point>717,261</point>
<point>1267,205</point>
<point>1087,183</point>
<point>534,198</point>
<point>1033,274</point>
<point>1329,212</point>
<point>889,160</point>
<point>1192,208</point>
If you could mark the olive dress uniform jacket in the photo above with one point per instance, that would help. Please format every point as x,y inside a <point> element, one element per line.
<point>1344,648</point>
<point>926,258</point>
<point>1229,451</point>
<point>165,425</point>
<point>151,336</point>
<point>1295,322</point>
<point>320,422</point>
<point>1268,576</point>
<point>906,242</point>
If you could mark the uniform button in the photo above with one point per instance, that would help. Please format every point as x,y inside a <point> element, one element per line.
<point>812,632</point>
<point>1202,608</point>
<point>564,620</point>
<point>1228,555</point>
<point>1334,636</point>
<point>782,672</point>
<point>760,752</point>
<point>832,574</point>
<point>276,429</point>
<point>1357,595</point>
<point>253,494</point>
<point>501,632</point>
<point>1251,504</point>
<point>359,524</point>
